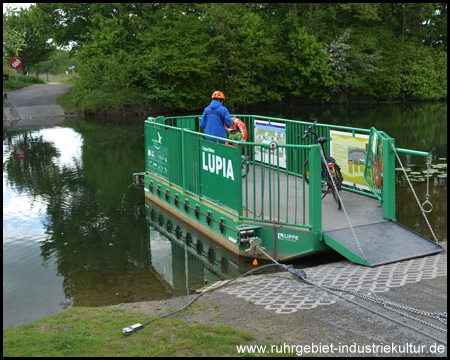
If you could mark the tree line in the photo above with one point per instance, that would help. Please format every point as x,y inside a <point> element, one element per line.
<point>177,54</point>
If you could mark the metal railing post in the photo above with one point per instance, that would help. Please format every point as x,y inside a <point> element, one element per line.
<point>239,180</point>
<point>183,165</point>
<point>388,192</point>
<point>315,188</point>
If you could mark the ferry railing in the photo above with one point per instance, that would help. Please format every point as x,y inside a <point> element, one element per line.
<point>379,171</point>
<point>188,178</point>
<point>294,128</point>
<point>189,154</point>
<point>272,193</point>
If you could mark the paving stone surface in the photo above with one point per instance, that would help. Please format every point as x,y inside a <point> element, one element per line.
<point>284,295</point>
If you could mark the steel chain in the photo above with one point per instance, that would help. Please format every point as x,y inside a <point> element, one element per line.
<point>427,201</point>
<point>441,317</point>
<point>343,207</point>
<point>415,195</point>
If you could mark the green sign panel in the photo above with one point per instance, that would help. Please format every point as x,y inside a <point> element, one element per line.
<point>373,175</point>
<point>157,147</point>
<point>219,173</point>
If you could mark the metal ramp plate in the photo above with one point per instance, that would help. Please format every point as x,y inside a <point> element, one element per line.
<point>382,243</point>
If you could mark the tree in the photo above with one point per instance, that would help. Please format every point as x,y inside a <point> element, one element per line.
<point>245,53</point>
<point>177,67</point>
<point>352,66</point>
<point>38,48</point>
<point>308,74</point>
<point>177,54</point>
<point>424,74</point>
<point>13,40</point>
<point>68,23</point>
<point>435,28</point>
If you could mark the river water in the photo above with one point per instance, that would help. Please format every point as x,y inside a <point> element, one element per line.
<point>75,233</point>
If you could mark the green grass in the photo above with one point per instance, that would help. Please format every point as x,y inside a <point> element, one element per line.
<point>66,102</point>
<point>98,332</point>
<point>22,81</point>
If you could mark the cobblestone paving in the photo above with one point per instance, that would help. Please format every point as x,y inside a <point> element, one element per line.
<point>284,295</point>
<point>29,112</point>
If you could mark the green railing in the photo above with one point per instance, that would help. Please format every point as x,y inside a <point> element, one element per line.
<point>293,128</point>
<point>379,171</point>
<point>212,171</point>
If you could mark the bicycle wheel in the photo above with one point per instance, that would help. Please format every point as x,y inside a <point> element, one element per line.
<point>245,168</point>
<point>336,197</point>
<point>339,178</point>
<point>306,176</point>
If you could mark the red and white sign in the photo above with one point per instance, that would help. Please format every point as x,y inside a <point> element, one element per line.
<point>20,153</point>
<point>16,63</point>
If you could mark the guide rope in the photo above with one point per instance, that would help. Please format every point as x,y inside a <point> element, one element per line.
<point>414,193</point>
<point>343,207</point>
<point>273,209</point>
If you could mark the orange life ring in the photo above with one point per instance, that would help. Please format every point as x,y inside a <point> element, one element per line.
<point>239,124</point>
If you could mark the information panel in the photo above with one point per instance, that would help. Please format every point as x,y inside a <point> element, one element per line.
<point>272,132</point>
<point>157,144</point>
<point>350,154</point>
<point>219,174</point>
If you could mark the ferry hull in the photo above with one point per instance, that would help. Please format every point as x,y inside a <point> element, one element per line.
<point>226,229</point>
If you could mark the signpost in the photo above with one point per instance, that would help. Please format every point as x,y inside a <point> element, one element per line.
<point>16,63</point>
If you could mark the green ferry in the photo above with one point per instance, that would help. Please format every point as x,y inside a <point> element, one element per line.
<point>267,190</point>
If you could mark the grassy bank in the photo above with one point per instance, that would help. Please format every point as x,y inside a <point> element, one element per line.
<point>22,81</point>
<point>98,332</point>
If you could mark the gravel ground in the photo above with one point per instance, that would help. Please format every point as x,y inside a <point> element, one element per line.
<point>340,324</point>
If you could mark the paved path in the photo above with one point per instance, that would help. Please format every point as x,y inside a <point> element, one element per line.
<point>280,294</point>
<point>35,102</point>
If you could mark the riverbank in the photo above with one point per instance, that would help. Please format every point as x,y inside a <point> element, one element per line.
<point>37,101</point>
<point>55,95</point>
<point>263,310</point>
<point>277,309</point>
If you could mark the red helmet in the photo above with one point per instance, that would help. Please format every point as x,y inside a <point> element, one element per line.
<point>218,95</point>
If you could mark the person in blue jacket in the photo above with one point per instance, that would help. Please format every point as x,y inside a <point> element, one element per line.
<point>215,116</point>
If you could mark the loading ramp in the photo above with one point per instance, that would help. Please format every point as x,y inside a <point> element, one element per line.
<point>381,243</point>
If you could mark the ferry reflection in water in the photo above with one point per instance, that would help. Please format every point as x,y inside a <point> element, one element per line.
<point>183,259</point>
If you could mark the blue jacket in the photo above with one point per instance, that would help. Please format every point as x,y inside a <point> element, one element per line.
<point>214,116</point>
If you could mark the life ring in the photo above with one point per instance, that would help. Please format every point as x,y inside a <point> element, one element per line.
<point>239,125</point>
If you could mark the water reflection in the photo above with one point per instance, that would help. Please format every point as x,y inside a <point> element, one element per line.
<point>184,259</point>
<point>67,210</point>
<point>71,237</point>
